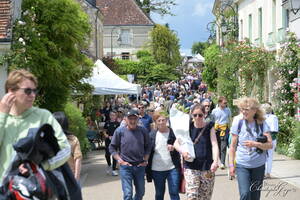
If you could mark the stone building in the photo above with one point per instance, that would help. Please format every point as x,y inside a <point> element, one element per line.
<point>95,49</point>
<point>126,28</point>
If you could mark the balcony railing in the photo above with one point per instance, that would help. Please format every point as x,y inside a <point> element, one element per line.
<point>281,35</point>
<point>257,42</point>
<point>271,39</point>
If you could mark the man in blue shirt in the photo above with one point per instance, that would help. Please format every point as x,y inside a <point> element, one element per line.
<point>130,146</point>
<point>145,118</point>
<point>222,117</point>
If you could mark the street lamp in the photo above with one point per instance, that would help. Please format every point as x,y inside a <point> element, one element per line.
<point>295,6</point>
<point>111,41</point>
<point>225,27</point>
<point>212,31</point>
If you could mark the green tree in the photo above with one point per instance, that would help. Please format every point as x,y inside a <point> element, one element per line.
<point>162,7</point>
<point>161,73</point>
<point>47,40</point>
<point>210,73</point>
<point>199,47</point>
<point>165,46</point>
<point>147,70</point>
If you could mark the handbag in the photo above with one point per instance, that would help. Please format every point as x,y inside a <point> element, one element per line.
<point>182,181</point>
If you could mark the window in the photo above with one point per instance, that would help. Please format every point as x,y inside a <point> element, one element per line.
<point>125,37</point>
<point>273,16</point>
<point>285,18</point>
<point>125,55</point>
<point>242,29</point>
<point>250,27</point>
<point>260,24</point>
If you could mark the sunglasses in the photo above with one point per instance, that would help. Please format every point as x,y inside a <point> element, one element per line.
<point>206,105</point>
<point>28,91</point>
<point>140,107</point>
<point>198,115</point>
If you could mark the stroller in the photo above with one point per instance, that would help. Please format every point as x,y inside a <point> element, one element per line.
<point>37,183</point>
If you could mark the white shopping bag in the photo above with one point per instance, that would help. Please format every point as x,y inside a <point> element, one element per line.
<point>180,123</point>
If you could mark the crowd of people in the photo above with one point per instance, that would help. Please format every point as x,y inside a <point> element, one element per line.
<point>140,141</point>
<point>212,131</point>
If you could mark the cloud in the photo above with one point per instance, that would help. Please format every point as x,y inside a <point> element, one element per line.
<point>202,9</point>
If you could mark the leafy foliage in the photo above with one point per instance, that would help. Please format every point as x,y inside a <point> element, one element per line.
<point>210,73</point>
<point>147,69</point>
<point>128,67</point>
<point>242,70</point>
<point>161,73</point>
<point>77,125</point>
<point>199,47</point>
<point>162,7</point>
<point>143,53</point>
<point>165,46</point>
<point>47,41</point>
<point>253,63</point>
<point>285,88</point>
<point>285,91</point>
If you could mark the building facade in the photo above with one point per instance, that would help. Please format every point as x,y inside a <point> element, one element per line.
<point>264,23</point>
<point>95,49</point>
<point>9,11</point>
<point>126,28</point>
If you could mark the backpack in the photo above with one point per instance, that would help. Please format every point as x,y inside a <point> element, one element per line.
<point>259,128</point>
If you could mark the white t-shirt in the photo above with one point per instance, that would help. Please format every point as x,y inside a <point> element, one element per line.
<point>272,122</point>
<point>162,160</point>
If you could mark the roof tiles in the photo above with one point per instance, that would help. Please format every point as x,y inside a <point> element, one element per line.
<point>122,12</point>
<point>5,16</point>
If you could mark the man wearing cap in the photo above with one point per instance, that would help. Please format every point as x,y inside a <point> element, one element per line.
<point>130,146</point>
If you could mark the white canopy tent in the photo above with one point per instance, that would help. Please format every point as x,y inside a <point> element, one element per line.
<point>107,82</point>
<point>197,59</point>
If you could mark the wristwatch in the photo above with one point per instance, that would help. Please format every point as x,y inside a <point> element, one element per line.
<point>145,161</point>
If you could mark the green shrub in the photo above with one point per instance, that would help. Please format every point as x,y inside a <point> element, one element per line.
<point>288,139</point>
<point>77,125</point>
<point>296,142</point>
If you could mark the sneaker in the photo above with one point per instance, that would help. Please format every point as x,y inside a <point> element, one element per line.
<point>108,170</point>
<point>114,173</point>
<point>222,166</point>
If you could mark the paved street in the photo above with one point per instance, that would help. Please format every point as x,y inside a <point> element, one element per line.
<point>97,185</point>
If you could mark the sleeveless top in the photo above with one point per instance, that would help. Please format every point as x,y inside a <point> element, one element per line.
<point>203,149</point>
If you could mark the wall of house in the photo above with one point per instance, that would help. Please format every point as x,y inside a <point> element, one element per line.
<point>139,36</point>
<point>4,46</point>
<point>294,25</point>
<point>96,20</point>
<point>273,32</point>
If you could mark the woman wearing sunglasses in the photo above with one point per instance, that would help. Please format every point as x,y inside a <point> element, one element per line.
<point>250,140</point>
<point>164,160</point>
<point>200,174</point>
<point>17,115</point>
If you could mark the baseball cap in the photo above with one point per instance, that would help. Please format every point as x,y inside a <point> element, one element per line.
<point>132,112</point>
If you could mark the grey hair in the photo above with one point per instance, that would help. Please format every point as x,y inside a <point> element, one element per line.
<point>205,100</point>
<point>267,108</point>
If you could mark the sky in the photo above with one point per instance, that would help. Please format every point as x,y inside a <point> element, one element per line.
<point>190,21</point>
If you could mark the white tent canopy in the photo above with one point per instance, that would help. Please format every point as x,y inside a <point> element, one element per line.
<point>107,82</point>
<point>197,59</point>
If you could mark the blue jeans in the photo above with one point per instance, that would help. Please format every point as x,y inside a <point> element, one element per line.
<point>250,181</point>
<point>160,177</point>
<point>136,175</point>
